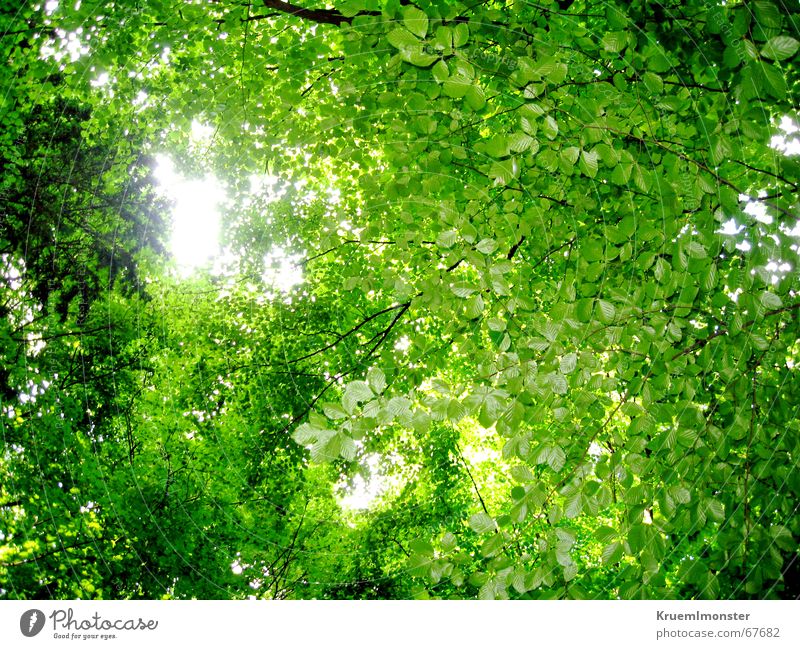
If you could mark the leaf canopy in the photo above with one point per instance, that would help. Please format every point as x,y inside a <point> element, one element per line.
<point>549,309</point>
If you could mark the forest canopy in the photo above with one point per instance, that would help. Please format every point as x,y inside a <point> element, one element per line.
<point>399,299</point>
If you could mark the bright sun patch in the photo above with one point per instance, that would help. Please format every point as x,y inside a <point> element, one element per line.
<point>195,215</point>
<point>282,270</point>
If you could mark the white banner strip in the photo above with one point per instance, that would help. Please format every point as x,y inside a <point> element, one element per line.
<point>413,625</point>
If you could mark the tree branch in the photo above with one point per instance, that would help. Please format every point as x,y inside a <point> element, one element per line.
<point>474,484</point>
<point>515,247</point>
<point>323,16</point>
<point>704,341</point>
<point>341,337</point>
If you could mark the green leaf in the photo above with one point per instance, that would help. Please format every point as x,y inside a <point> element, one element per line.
<point>333,411</point>
<point>354,393</point>
<point>662,270</point>
<point>460,35</point>
<point>417,56</point>
<point>558,383</point>
<point>482,523</point>
<point>415,20</point>
<point>504,171</point>
<point>348,448</point>
<point>682,495</point>
<point>612,553</point>
<point>456,87</point>
<point>556,458</point>
<point>440,71</point>
<point>493,545</point>
<point>475,97</point>
<point>449,541</point>
<point>653,83</point>
<point>568,363</point>
<point>573,505</point>
<point>522,473</point>
<point>486,246</point>
<point>771,301</point>
<point>520,142</point>
<point>605,534</point>
<point>550,127</point>
<point>776,81</point>
<point>589,163</point>
<point>421,546</point>
<point>614,41</point>
<point>402,38</point>
<point>376,379</point>
<point>447,239</point>
<point>497,147</point>
<point>780,48</point>
<point>696,250</point>
<point>592,250</point>
<point>607,311</point>
<point>716,510</point>
<point>782,537</point>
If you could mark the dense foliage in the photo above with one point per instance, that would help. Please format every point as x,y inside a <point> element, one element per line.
<point>549,300</point>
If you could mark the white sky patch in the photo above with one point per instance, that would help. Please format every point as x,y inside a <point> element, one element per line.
<point>140,99</point>
<point>782,141</point>
<point>595,450</point>
<point>262,182</point>
<point>101,80</point>
<point>201,133</point>
<point>364,492</point>
<point>267,187</point>
<point>334,195</point>
<point>282,270</point>
<point>65,45</point>
<point>195,215</point>
<point>730,227</point>
<point>756,208</point>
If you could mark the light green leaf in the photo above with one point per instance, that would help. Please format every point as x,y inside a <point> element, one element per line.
<point>589,163</point>
<point>614,41</point>
<point>440,71</point>
<point>486,246</point>
<point>520,142</point>
<point>716,510</point>
<point>376,379</point>
<point>354,393</point>
<point>333,411</point>
<point>607,311</point>
<point>447,238</point>
<point>504,171</point>
<point>568,363</point>
<point>556,458</point>
<point>612,552</point>
<point>550,127</point>
<point>522,473</point>
<point>696,250</point>
<point>460,35</point>
<point>417,56</point>
<point>482,523</point>
<point>402,38</point>
<point>770,300</point>
<point>415,20</point>
<point>571,154</point>
<point>780,48</point>
<point>653,83</point>
<point>475,96</point>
